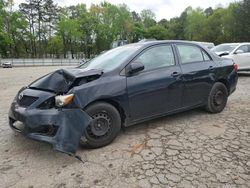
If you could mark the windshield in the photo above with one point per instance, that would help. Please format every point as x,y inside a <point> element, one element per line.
<point>224,48</point>
<point>111,59</point>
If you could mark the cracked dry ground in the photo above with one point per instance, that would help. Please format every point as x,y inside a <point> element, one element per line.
<point>190,149</point>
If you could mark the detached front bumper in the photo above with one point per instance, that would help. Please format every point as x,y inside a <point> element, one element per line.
<point>62,128</point>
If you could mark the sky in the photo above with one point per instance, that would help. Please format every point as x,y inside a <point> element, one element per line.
<point>162,8</point>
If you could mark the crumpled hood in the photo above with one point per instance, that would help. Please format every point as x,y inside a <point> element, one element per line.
<point>62,80</point>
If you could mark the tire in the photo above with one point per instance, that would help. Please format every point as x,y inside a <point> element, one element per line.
<point>105,127</point>
<point>217,98</point>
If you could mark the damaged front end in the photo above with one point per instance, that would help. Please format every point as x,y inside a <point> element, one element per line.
<point>39,111</point>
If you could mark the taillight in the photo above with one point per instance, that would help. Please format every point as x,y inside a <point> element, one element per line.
<point>235,67</point>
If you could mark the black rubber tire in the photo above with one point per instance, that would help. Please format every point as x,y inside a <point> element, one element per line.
<point>90,140</point>
<point>213,105</point>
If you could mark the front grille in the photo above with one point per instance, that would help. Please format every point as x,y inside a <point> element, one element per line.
<point>26,101</point>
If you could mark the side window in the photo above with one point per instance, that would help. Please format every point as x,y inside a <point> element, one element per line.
<point>205,56</point>
<point>156,57</point>
<point>244,49</point>
<point>190,53</point>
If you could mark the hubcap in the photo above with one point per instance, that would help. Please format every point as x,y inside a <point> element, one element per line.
<point>218,98</point>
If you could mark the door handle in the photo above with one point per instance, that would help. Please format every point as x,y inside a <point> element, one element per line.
<point>175,74</point>
<point>211,67</point>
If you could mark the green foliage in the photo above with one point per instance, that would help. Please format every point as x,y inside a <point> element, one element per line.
<point>4,42</point>
<point>40,28</point>
<point>148,18</point>
<point>242,15</point>
<point>177,27</point>
<point>55,46</point>
<point>69,31</point>
<point>194,26</point>
<point>157,32</point>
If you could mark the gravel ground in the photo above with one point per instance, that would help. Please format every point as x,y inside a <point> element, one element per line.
<point>190,149</point>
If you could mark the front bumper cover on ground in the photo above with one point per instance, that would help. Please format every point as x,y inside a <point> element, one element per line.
<point>70,124</point>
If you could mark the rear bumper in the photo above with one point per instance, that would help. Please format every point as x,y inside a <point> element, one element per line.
<point>62,128</point>
<point>233,81</point>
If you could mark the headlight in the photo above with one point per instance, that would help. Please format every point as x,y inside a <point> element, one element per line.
<point>63,100</point>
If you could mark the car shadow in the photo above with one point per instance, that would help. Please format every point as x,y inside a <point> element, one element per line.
<point>172,118</point>
<point>44,152</point>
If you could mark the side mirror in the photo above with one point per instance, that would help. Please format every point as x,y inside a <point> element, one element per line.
<point>224,53</point>
<point>135,67</point>
<point>239,52</point>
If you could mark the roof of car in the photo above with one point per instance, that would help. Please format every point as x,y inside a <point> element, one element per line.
<point>166,41</point>
<point>153,42</point>
<point>185,41</point>
<point>148,43</point>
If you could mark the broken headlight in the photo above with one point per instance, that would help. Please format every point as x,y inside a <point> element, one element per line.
<point>63,100</point>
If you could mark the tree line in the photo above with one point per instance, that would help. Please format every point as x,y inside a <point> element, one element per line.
<point>42,29</point>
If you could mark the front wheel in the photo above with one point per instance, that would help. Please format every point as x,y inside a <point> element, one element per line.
<point>217,98</point>
<point>105,126</point>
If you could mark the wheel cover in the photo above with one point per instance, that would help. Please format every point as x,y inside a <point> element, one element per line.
<point>100,127</point>
<point>218,98</point>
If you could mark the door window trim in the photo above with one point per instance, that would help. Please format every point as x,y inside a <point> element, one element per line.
<point>202,50</point>
<point>150,47</point>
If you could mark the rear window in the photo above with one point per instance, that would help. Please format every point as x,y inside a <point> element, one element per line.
<point>190,53</point>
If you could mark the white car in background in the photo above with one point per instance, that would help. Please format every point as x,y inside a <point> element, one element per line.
<point>7,65</point>
<point>239,52</point>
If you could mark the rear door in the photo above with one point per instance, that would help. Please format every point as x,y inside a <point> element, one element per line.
<point>158,88</point>
<point>198,73</point>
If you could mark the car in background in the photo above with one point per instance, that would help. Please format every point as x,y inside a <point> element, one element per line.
<point>208,45</point>
<point>84,60</point>
<point>147,40</point>
<point>7,65</point>
<point>118,43</point>
<point>239,52</point>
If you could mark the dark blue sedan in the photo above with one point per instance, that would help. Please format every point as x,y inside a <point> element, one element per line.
<point>121,87</point>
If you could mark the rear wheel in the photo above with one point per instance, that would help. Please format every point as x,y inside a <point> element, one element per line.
<point>217,98</point>
<point>105,126</point>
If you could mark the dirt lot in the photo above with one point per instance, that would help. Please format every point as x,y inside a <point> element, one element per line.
<point>191,149</point>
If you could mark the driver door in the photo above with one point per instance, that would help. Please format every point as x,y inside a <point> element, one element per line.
<point>158,88</point>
